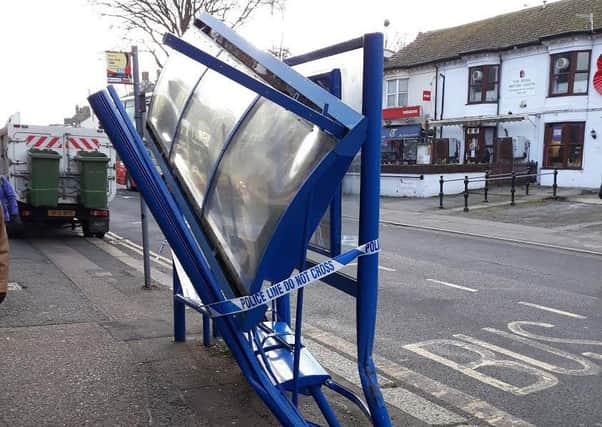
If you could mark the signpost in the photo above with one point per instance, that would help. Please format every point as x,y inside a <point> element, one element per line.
<point>139,106</point>
<point>122,68</point>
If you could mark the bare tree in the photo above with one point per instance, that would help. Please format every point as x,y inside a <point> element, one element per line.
<point>153,18</point>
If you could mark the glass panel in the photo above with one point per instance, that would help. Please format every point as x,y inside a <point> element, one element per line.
<point>583,61</point>
<point>562,63</point>
<point>491,94</point>
<point>391,86</point>
<point>580,83</point>
<point>403,100</point>
<point>575,156</point>
<point>267,162</point>
<point>321,237</point>
<point>555,156</point>
<point>554,147</point>
<point>403,85</point>
<point>560,84</point>
<point>488,137</point>
<point>213,110</point>
<point>475,94</point>
<point>178,78</point>
<point>476,75</point>
<point>391,100</point>
<point>493,70</point>
<point>574,133</point>
<point>410,152</point>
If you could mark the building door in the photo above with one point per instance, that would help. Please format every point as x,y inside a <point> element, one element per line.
<point>476,141</point>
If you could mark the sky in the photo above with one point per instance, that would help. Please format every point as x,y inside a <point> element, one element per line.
<point>53,51</point>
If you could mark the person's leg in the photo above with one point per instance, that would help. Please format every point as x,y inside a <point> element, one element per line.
<point>3,258</point>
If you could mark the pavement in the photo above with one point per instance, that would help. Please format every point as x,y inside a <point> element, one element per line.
<point>571,221</point>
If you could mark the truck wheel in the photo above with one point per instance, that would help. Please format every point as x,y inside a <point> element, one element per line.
<point>100,235</point>
<point>86,230</point>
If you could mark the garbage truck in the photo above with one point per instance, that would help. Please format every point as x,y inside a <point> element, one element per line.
<point>62,175</point>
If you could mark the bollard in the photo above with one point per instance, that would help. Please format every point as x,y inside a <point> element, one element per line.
<point>486,189</point>
<point>466,193</point>
<point>527,187</point>
<point>512,188</point>
<point>441,181</point>
<point>555,185</point>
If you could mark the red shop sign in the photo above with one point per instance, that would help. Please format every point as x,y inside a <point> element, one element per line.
<point>426,95</point>
<point>401,112</point>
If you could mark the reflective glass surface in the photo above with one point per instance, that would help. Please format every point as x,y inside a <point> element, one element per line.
<point>215,107</point>
<point>177,81</point>
<point>271,155</point>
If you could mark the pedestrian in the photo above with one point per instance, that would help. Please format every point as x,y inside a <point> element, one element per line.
<point>9,211</point>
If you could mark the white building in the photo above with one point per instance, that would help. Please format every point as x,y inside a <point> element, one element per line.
<point>525,86</point>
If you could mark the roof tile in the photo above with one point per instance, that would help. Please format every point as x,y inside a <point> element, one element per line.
<point>527,26</point>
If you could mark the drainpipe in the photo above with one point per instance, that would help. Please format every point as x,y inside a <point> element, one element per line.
<point>436,88</point>
<point>499,82</point>
<point>442,103</point>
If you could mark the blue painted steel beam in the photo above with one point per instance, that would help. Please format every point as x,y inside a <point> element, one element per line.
<point>325,52</point>
<point>285,101</point>
<point>367,270</point>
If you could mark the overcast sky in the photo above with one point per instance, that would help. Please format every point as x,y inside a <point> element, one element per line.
<point>53,51</point>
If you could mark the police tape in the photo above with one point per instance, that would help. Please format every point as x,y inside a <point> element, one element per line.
<point>286,286</point>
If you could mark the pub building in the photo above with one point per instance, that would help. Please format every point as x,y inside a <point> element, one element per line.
<point>516,91</point>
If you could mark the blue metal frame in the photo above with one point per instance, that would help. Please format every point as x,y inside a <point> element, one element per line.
<point>168,216</point>
<point>283,73</point>
<point>179,224</point>
<point>332,81</point>
<point>255,85</point>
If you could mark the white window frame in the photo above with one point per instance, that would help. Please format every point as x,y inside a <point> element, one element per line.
<point>396,92</point>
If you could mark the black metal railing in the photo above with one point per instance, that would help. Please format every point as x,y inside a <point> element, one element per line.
<point>513,176</point>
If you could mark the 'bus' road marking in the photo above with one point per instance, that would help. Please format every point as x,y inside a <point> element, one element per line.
<point>592,355</point>
<point>408,402</point>
<point>553,310</point>
<point>469,404</point>
<point>451,285</point>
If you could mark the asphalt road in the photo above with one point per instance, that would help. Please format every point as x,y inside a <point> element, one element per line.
<point>519,327</point>
<point>126,221</point>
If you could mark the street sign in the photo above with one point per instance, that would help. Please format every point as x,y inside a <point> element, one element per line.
<point>119,67</point>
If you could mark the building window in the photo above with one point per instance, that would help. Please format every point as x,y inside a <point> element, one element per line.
<point>569,73</point>
<point>399,151</point>
<point>563,145</point>
<point>396,93</point>
<point>483,84</point>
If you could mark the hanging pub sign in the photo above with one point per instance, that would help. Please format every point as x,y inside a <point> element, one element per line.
<point>119,67</point>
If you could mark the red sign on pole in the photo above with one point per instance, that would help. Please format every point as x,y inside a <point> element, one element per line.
<point>426,95</point>
<point>401,112</point>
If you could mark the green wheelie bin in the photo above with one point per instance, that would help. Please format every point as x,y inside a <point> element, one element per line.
<point>44,177</point>
<point>93,179</point>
